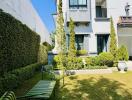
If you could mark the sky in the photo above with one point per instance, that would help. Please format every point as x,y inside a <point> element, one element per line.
<point>45,9</point>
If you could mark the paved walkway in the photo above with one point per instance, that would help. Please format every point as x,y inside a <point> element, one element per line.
<point>95,71</point>
<point>129,65</point>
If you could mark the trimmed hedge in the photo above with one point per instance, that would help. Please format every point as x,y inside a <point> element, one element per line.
<point>106,58</point>
<point>103,59</point>
<point>49,47</point>
<point>13,79</point>
<point>18,44</point>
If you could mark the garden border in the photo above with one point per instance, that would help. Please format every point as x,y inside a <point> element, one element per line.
<point>86,71</point>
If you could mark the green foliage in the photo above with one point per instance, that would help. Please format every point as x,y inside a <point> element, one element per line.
<point>123,53</point>
<point>72,48</point>
<point>113,41</point>
<point>60,31</point>
<point>53,38</point>
<point>48,46</point>
<point>60,61</point>
<point>13,79</point>
<point>92,61</point>
<point>74,63</point>
<point>82,52</point>
<point>106,58</point>
<point>1,86</point>
<point>43,54</point>
<point>18,44</point>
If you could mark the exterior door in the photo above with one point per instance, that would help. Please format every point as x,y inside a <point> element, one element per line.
<point>79,42</point>
<point>102,42</point>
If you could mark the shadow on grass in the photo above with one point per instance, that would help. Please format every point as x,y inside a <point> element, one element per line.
<point>96,89</point>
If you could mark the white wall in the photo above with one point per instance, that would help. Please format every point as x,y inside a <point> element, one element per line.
<point>115,8</point>
<point>26,13</point>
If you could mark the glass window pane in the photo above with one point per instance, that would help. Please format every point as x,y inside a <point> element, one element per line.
<point>73,2</point>
<point>82,2</point>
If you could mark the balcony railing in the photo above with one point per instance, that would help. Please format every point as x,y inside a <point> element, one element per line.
<point>125,21</point>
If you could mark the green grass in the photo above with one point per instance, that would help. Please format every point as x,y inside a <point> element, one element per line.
<point>115,86</point>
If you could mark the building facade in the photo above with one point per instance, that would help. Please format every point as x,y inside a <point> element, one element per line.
<point>24,11</point>
<point>92,23</point>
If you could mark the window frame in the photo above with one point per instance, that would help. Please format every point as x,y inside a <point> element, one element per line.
<point>78,5</point>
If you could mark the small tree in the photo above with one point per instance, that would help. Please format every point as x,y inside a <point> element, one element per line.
<point>60,31</point>
<point>123,53</point>
<point>113,41</point>
<point>72,49</point>
<point>61,37</point>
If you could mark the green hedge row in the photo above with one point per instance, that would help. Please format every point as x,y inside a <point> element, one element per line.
<point>18,44</point>
<point>14,78</point>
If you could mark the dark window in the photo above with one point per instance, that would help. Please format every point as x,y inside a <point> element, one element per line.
<point>101,9</point>
<point>79,42</point>
<point>77,4</point>
<point>102,42</point>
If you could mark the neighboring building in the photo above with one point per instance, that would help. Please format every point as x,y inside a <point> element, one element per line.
<point>24,11</point>
<point>92,23</point>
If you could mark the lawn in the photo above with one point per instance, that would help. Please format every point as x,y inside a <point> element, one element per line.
<point>114,86</point>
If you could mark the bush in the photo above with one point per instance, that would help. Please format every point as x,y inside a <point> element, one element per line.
<point>1,87</point>
<point>18,44</point>
<point>43,54</point>
<point>123,53</point>
<point>58,61</point>
<point>82,52</point>
<point>48,46</point>
<point>106,58</point>
<point>92,61</point>
<point>13,79</point>
<point>74,63</point>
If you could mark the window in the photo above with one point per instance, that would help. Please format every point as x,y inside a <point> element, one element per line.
<point>101,9</point>
<point>102,43</point>
<point>77,4</point>
<point>79,42</point>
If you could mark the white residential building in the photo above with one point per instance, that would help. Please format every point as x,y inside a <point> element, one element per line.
<point>24,11</point>
<point>92,23</point>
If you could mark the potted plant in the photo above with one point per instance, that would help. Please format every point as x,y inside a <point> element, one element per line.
<point>122,66</point>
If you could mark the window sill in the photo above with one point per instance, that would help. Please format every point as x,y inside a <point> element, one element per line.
<point>102,19</point>
<point>78,9</point>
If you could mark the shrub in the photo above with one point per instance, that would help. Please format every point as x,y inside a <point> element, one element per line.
<point>74,63</point>
<point>10,81</point>
<point>47,45</point>
<point>42,54</point>
<point>1,87</point>
<point>82,52</point>
<point>106,58</point>
<point>13,79</point>
<point>123,53</point>
<point>92,61</point>
<point>18,44</point>
<point>58,61</point>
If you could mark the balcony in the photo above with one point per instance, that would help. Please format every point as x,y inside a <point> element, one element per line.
<point>125,21</point>
<point>78,10</point>
<point>78,15</point>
